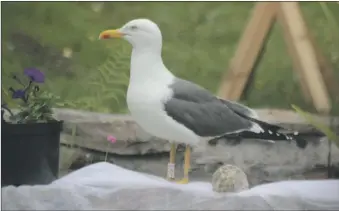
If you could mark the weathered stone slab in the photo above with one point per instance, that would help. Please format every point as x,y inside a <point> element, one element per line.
<point>138,150</point>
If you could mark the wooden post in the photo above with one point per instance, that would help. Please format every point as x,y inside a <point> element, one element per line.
<point>250,44</point>
<point>306,53</point>
<point>326,69</point>
<point>295,58</point>
<point>300,46</point>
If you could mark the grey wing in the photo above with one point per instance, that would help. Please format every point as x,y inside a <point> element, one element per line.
<point>201,112</point>
<point>189,91</point>
<point>240,108</point>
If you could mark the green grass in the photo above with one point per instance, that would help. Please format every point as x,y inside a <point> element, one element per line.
<point>200,38</point>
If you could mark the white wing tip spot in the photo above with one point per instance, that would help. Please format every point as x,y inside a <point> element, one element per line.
<point>270,132</point>
<point>256,129</point>
<point>296,133</point>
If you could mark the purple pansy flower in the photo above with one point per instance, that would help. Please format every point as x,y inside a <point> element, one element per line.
<point>35,75</point>
<point>18,94</point>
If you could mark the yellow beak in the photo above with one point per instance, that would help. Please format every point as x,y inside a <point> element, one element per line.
<point>110,34</point>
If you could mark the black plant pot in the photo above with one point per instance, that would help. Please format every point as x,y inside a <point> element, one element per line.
<point>30,153</point>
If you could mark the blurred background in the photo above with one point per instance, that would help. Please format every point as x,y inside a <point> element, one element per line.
<point>200,38</point>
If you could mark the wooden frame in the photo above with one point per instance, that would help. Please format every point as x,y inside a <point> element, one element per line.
<point>308,62</point>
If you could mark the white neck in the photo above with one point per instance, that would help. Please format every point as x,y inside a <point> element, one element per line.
<point>147,66</point>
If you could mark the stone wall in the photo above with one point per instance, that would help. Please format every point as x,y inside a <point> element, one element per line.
<point>137,150</point>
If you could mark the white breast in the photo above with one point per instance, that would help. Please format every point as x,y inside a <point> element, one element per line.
<point>144,102</point>
<point>147,90</point>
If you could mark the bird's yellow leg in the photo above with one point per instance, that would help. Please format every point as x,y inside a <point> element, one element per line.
<point>171,164</point>
<point>187,163</point>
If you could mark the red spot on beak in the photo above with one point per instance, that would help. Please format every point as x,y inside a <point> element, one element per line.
<point>105,36</point>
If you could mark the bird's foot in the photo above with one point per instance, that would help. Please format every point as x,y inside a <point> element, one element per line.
<point>183,181</point>
<point>170,179</point>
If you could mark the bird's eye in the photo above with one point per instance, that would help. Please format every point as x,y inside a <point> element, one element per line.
<point>134,27</point>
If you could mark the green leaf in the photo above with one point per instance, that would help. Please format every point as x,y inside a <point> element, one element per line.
<point>320,126</point>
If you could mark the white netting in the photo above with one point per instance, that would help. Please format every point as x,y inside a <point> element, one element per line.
<point>106,186</point>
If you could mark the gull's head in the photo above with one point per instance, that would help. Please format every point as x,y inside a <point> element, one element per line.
<point>140,33</point>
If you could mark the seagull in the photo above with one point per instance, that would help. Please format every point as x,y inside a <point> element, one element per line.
<point>178,110</point>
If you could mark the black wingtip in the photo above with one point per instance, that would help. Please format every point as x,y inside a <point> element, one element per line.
<point>301,137</point>
<point>301,143</point>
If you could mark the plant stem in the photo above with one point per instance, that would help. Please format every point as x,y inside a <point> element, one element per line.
<point>18,80</point>
<point>25,99</point>
<point>329,156</point>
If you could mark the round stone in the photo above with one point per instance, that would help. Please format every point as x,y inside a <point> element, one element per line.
<point>229,178</point>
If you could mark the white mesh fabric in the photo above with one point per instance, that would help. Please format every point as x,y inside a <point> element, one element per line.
<point>106,186</point>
